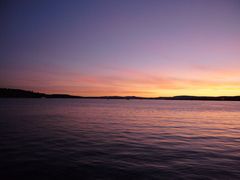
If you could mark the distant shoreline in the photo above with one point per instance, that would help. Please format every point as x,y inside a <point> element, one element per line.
<point>19,93</point>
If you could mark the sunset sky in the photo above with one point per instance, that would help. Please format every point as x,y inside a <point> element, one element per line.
<point>121,47</point>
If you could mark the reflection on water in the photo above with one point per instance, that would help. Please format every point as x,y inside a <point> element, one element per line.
<point>119,139</point>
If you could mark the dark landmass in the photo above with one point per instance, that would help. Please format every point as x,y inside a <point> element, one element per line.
<point>18,93</point>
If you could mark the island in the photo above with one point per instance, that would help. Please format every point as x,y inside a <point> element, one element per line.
<point>19,93</point>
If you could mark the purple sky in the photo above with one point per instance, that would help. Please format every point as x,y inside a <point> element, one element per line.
<point>127,47</point>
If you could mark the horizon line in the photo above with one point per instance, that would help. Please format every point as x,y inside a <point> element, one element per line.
<point>109,96</point>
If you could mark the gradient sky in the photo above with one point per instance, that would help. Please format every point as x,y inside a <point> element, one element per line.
<point>121,47</point>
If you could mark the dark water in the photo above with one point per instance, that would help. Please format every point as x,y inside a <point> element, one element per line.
<point>119,139</point>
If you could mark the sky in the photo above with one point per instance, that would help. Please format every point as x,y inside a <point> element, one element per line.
<point>130,47</point>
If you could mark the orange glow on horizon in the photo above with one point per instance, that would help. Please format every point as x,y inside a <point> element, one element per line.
<point>134,83</point>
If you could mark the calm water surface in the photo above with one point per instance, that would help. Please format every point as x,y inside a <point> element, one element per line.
<point>119,139</point>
